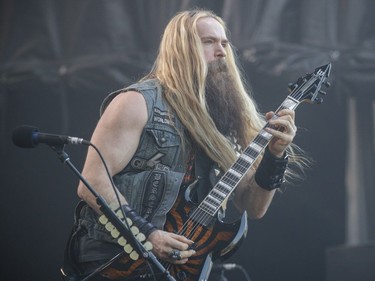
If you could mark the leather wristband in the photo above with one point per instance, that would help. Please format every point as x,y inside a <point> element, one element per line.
<point>143,225</point>
<point>271,170</point>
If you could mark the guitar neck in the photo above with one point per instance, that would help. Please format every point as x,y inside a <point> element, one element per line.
<point>228,182</point>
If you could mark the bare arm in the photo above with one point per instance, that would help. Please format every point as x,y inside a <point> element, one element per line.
<point>117,136</point>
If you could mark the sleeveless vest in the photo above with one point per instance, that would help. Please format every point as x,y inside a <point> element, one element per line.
<point>150,182</point>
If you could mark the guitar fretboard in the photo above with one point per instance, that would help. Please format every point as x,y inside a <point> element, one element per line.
<point>228,182</point>
<point>305,89</point>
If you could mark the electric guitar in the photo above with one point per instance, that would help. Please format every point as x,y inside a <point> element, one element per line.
<point>213,239</point>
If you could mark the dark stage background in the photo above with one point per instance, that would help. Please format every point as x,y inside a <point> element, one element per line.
<point>59,59</point>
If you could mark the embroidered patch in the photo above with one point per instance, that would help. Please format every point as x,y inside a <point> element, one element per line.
<point>153,193</point>
<point>148,164</point>
<point>162,117</point>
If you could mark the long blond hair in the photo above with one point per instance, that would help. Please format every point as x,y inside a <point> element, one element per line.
<point>181,69</point>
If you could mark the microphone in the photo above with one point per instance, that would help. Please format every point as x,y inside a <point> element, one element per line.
<point>28,137</point>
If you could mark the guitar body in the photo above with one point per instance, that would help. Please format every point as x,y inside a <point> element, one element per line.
<point>216,241</point>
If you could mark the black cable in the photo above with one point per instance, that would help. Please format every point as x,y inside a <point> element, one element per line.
<point>243,270</point>
<point>230,267</point>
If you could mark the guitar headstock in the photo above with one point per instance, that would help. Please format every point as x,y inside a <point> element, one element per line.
<point>307,88</point>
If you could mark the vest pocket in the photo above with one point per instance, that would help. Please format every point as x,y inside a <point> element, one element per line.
<point>165,138</point>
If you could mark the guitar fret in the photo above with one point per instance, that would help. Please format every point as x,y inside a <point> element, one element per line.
<point>258,148</point>
<point>242,168</point>
<point>264,137</point>
<point>291,102</point>
<point>251,152</point>
<point>247,158</point>
<point>265,134</point>
<point>228,180</point>
<point>241,164</point>
<point>232,176</point>
<point>206,206</point>
<point>235,173</point>
<point>226,188</point>
<point>218,194</point>
<point>213,200</point>
<point>239,169</point>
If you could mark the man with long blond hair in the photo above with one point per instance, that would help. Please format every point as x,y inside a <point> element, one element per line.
<point>179,126</point>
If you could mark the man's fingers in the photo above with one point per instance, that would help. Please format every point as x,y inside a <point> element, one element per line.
<point>180,242</point>
<point>180,257</point>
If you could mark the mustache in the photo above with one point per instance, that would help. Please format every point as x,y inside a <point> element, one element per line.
<point>217,66</point>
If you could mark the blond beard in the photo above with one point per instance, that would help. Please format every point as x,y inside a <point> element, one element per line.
<point>223,101</point>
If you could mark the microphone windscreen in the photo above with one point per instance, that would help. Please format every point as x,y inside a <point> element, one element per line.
<point>23,136</point>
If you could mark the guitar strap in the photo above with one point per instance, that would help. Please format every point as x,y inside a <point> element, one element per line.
<point>202,166</point>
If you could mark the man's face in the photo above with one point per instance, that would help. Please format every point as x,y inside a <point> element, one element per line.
<point>213,37</point>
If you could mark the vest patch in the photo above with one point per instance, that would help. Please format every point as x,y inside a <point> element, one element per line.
<point>162,117</point>
<point>153,192</point>
<point>149,164</point>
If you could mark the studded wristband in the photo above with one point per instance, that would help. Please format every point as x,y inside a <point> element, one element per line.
<point>143,225</point>
<point>271,170</point>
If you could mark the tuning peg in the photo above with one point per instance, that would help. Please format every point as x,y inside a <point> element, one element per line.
<point>322,92</point>
<point>292,86</point>
<point>327,84</point>
<point>319,100</point>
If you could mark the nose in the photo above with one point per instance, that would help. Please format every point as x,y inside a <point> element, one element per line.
<point>220,51</point>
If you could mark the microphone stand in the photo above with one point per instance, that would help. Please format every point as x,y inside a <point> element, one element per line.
<point>149,256</point>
